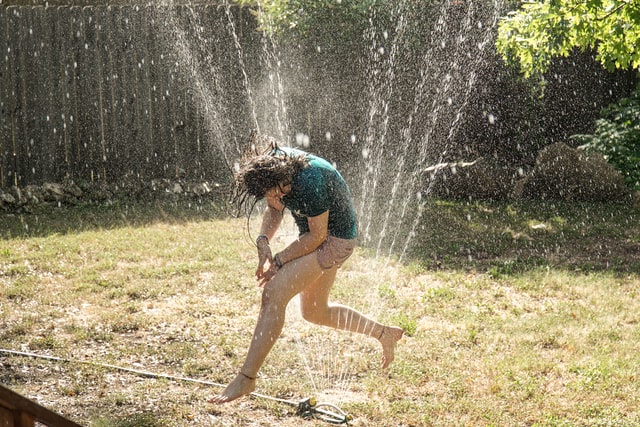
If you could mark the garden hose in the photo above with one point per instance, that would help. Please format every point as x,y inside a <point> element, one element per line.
<point>306,408</point>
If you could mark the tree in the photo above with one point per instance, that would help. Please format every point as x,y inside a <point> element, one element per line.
<point>336,18</point>
<point>531,37</point>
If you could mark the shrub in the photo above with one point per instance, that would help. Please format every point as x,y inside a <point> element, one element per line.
<point>617,138</point>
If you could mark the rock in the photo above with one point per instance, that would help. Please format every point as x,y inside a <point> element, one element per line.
<point>100,192</point>
<point>73,189</point>
<point>53,192</point>
<point>33,194</point>
<point>201,189</point>
<point>6,199</point>
<point>565,173</point>
<point>176,189</point>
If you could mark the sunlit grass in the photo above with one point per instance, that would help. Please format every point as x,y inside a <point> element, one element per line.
<point>524,335</point>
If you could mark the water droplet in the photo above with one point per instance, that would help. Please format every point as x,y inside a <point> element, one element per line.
<point>302,140</point>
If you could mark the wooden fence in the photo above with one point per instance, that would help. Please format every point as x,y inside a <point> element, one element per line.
<point>102,93</point>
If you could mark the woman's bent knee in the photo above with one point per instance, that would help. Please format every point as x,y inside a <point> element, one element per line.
<point>317,315</point>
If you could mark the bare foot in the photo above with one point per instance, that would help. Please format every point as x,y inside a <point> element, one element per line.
<point>389,338</point>
<point>240,386</point>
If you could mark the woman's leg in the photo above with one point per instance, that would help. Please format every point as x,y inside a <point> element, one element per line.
<point>315,307</point>
<point>290,280</point>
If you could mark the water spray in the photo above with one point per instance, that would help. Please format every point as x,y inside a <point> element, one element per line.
<point>307,408</point>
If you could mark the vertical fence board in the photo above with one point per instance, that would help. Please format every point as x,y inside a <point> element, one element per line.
<point>136,157</point>
<point>105,107</point>
<point>52,161</point>
<point>90,85</point>
<point>158,121</point>
<point>64,70</point>
<point>79,103</point>
<point>148,45</point>
<point>190,106</point>
<point>112,65</point>
<point>78,135</point>
<point>22,42</point>
<point>143,145</point>
<point>179,93</point>
<point>13,92</point>
<point>5,113</point>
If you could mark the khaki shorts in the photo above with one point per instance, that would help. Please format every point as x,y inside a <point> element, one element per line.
<point>334,251</point>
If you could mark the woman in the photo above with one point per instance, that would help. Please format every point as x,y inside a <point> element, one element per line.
<point>320,202</point>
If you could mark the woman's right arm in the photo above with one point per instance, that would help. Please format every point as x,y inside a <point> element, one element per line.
<point>271,220</point>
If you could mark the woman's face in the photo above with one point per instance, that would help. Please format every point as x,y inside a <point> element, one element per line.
<point>274,196</point>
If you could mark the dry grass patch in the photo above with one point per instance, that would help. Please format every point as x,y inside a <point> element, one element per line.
<point>490,344</point>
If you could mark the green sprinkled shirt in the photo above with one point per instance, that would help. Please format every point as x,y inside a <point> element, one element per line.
<point>318,188</point>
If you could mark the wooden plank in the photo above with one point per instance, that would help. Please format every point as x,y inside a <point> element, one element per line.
<point>104,106</point>
<point>65,72</point>
<point>88,84</point>
<point>112,37</point>
<point>26,411</point>
<point>182,84</point>
<point>6,417</point>
<point>76,134</point>
<point>21,44</point>
<point>155,19</point>
<point>143,92</point>
<point>5,108</point>
<point>13,89</point>
<point>48,165</point>
<point>130,143</point>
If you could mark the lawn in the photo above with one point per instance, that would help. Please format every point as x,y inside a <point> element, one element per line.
<point>515,314</point>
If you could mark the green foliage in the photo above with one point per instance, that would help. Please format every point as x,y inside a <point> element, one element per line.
<point>617,138</point>
<point>407,323</point>
<point>530,37</point>
<point>330,23</point>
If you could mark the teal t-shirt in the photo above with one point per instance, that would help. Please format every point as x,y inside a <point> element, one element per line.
<point>318,188</point>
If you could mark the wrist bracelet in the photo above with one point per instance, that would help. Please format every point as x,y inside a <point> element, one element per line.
<point>277,261</point>
<point>262,236</point>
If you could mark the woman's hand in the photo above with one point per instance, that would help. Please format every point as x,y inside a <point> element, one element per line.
<point>267,275</point>
<point>264,255</point>
<point>276,264</point>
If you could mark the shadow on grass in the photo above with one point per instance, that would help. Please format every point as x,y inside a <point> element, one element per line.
<point>505,238</point>
<point>51,219</point>
<point>501,238</point>
<point>136,420</point>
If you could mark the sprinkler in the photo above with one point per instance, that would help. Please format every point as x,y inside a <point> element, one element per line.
<point>307,408</point>
<point>310,408</point>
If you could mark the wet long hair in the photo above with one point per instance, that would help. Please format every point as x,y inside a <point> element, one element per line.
<point>262,167</point>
